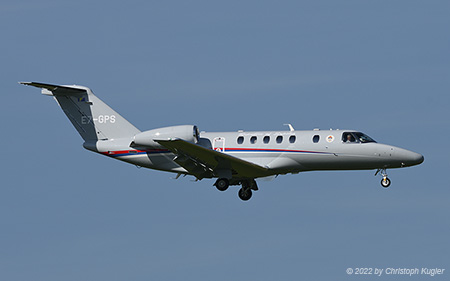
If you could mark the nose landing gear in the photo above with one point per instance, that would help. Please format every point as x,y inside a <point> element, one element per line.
<point>385,181</point>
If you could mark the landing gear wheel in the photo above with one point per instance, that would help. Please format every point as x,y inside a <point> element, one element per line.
<point>245,194</point>
<point>385,182</point>
<point>222,184</point>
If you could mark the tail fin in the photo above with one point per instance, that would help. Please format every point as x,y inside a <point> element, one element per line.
<point>93,119</point>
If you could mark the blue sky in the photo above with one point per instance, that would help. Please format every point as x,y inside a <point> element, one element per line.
<point>381,67</point>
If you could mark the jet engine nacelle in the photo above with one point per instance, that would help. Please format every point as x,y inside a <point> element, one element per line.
<point>188,133</point>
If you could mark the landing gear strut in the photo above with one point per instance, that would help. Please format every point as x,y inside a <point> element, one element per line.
<point>385,181</point>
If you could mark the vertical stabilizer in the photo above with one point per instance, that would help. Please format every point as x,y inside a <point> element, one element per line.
<point>91,117</point>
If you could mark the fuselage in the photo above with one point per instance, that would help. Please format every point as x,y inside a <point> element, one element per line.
<point>281,152</point>
<point>234,158</point>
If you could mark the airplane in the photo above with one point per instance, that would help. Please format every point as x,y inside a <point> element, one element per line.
<point>234,158</point>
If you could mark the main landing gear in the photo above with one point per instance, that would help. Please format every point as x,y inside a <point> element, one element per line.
<point>245,192</point>
<point>222,184</point>
<point>385,181</point>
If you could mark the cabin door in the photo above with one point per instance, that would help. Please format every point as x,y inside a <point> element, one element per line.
<point>219,144</point>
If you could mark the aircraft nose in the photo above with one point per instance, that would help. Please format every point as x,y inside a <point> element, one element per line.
<point>409,158</point>
<point>418,159</point>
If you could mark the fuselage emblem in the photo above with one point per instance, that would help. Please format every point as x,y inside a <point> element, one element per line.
<point>330,138</point>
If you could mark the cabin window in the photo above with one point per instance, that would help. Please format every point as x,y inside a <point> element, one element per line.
<point>316,139</point>
<point>253,139</point>
<point>279,139</point>
<point>266,139</point>
<point>240,140</point>
<point>292,139</point>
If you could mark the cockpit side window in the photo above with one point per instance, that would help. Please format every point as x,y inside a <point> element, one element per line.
<point>348,137</point>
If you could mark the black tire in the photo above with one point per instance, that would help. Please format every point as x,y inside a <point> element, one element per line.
<point>385,182</point>
<point>245,194</point>
<point>222,184</point>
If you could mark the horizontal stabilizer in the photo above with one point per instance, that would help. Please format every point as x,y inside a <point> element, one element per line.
<point>57,89</point>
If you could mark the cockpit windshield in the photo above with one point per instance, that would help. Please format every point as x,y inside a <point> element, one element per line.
<point>363,138</point>
<point>356,137</point>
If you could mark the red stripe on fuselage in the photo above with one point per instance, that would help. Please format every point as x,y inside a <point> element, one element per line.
<point>133,152</point>
<point>270,150</point>
<point>151,151</point>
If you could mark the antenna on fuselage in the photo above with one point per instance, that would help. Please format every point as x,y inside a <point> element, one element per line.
<point>290,127</point>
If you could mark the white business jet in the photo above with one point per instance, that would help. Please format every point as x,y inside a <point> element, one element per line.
<point>234,158</point>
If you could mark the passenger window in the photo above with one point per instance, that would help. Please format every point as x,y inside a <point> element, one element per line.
<point>316,139</point>
<point>266,139</point>
<point>292,139</point>
<point>279,139</point>
<point>240,140</point>
<point>253,140</point>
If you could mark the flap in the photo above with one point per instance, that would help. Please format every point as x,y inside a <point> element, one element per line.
<point>213,160</point>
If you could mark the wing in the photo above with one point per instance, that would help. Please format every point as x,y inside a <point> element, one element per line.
<point>206,163</point>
